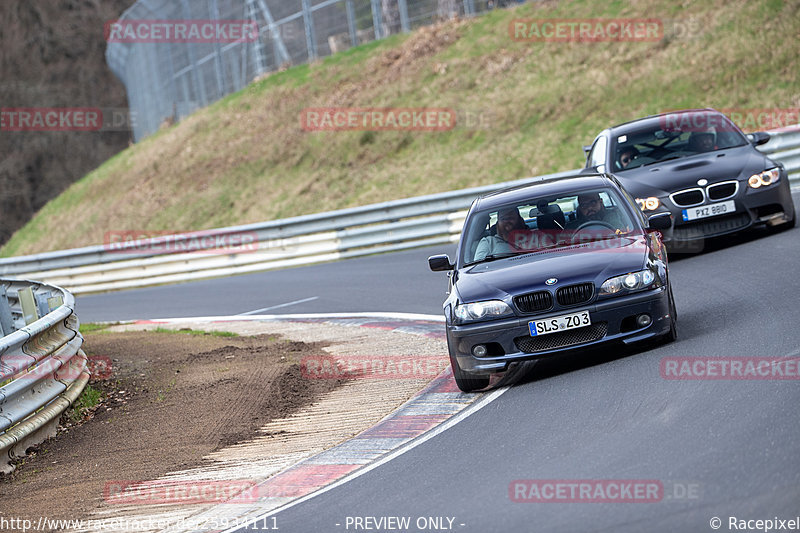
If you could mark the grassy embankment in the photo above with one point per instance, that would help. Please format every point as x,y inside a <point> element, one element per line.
<point>246,159</point>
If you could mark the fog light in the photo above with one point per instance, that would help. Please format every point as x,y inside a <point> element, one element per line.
<point>479,350</point>
<point>643,320</point>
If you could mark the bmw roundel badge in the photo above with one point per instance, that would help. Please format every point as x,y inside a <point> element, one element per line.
<point>551,281</point>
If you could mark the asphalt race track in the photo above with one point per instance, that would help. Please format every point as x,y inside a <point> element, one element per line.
<point>399,282</point>
<point>720,448</point>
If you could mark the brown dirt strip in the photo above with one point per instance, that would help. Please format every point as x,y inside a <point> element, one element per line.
<point>172,399</point>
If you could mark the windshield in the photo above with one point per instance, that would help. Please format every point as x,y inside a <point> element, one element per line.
<point>544,223</point>
<point>675,136</point>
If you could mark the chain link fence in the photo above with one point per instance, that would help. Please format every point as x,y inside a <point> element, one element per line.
<point>167,77</point>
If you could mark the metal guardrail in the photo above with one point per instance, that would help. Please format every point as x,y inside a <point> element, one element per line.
<point>42,367</point>
<point>784,146</point>
<point>376,228</point>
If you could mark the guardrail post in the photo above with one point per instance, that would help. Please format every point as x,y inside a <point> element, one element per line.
<point>55,302</point>
<point>6,321</point>
<point>28,304</point>
<point>41,302</point>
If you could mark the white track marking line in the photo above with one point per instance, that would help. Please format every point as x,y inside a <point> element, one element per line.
<point>279,306</point>
<point>234,318</point>
<point>473,408</point>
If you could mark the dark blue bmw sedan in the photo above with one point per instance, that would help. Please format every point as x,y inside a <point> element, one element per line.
<point>555,266</point>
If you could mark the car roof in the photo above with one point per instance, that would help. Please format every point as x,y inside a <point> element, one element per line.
<point>654,120</point>
<point>545,187</point>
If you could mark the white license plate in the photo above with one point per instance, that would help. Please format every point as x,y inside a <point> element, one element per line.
<point>710,210</point>
<point>559,323</point>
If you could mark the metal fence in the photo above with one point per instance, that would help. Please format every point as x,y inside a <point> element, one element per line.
<point>167,81</point>
<point>42,367</point>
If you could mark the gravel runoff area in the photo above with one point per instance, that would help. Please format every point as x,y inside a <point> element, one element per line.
<point>185,411</point>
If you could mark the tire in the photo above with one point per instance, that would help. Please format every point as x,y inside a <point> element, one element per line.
<point>466,382</point>
<point>786,225</point>
<point>791,224</point>
<point>672,335</point>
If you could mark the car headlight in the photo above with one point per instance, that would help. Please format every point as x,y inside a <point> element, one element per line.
<point>482,310</point>
<point>633,281</point>
<point>648,204</point>
<point>768,177</point>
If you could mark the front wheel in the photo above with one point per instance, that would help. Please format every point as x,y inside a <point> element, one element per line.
<point>791,224</point>
<point>465,381</point>
<point>672,335</point>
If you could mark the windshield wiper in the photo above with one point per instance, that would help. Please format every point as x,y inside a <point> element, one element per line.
<point>606,237</point>
<point>494,257</point>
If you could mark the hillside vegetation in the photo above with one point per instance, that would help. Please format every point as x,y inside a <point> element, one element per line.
<point>531,106</point>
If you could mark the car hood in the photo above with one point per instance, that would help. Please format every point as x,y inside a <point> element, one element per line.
<point>593,261</point>
<point>662,179</point>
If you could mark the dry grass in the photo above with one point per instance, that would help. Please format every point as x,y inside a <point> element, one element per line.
<point>246,159</point>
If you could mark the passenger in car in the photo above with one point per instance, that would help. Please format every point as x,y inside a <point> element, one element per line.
<point>627,155</point>
<point>508,220</point>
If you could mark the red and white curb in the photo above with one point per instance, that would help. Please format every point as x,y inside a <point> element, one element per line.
<point>434,409</point>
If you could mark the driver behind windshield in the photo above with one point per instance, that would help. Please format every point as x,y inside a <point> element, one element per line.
<point>508,220</point>
<point>701,142</point>
<point>592,209</point>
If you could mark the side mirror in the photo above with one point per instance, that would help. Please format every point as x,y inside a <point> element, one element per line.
<point>758,138</point>
<point>659,221</point>
<point>587,148</point>
<point>440,263</point>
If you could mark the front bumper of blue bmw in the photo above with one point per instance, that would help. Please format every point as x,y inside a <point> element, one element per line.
<point>505,341</point>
